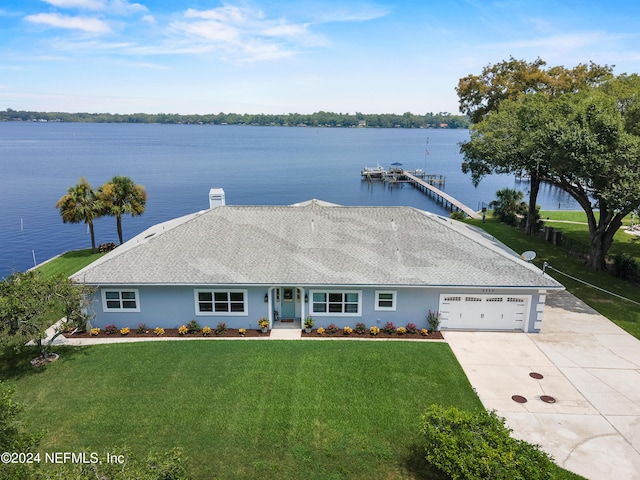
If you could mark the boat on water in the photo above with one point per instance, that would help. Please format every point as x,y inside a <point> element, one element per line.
<point>374,172</point>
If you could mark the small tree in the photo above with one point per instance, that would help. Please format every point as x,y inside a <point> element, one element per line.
<point>28,304</point>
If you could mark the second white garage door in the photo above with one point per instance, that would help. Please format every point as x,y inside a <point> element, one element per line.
<point>484,312</point>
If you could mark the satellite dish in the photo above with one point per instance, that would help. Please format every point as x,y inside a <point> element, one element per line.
<point>528,255</point>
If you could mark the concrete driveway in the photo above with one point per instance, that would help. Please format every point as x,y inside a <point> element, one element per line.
<point>591,369</point>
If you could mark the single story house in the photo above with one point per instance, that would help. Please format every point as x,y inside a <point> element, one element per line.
<point>341,265</point>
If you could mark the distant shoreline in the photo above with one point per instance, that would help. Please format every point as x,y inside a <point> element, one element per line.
<point>442,120</point>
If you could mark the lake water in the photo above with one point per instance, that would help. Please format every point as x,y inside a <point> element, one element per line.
<point>178,164</point>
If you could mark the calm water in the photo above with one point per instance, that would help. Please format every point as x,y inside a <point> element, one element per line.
<point>178,164</point>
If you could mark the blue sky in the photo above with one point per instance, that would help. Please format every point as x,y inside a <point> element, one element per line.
<point>270,56</point>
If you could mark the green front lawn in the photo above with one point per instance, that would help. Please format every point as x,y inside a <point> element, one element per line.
<point>249,409</point>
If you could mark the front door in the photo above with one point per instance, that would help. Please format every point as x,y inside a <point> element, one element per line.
<point>288,304</point>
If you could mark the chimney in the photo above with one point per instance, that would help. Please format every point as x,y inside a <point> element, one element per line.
<point>216,197</point>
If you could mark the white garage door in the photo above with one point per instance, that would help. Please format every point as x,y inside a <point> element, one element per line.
<point>484,312</point>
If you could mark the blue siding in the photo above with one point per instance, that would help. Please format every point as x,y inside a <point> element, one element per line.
<point>172,306</point>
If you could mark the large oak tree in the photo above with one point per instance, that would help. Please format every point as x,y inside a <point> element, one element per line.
<point>512,79</point>
<point>579,142</point>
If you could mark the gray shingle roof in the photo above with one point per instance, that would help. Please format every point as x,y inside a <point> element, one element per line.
<point>314,243</point>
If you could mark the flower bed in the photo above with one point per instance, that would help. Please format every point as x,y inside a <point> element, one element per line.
<point>171,332</point>
<point>380,334</point>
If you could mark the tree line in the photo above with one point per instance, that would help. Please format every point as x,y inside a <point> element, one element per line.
<point>117,197</point>
<point>577,129</point>
<point>317,119</point>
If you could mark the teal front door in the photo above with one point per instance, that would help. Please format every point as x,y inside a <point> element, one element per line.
<point>288,304</point>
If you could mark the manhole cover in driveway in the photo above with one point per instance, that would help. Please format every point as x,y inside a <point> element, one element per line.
<point>519,399</point>
<point>537,376</point>
<point>547,399</point>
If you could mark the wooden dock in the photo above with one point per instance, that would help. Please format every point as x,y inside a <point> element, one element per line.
<point>440,196</point>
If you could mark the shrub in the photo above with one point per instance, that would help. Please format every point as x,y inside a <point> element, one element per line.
<point>182,330</point>
<point>626,267</point>
<point>347,330</point>
<point>206,331</point>
<point>412,328</point>
<point>477,445</point>
<point>125,331</point>
<point>221,328</point>
<point>95,331</point>
<point>389,328</point>
<point>433,319</point>
<point>320,331</point>
<point>401,330</point>
<point>458,215</point>
<point>158,331</point>
<point>142,328</point>
<point>111,329</point>
<point>374,331</point>
<point>332,328</point>
<point>360,328</point>
<point>193,327</point>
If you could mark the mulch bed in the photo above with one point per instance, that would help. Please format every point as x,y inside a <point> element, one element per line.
<point>406,336</point>
<point>233,332</point>
<point>168,332</point>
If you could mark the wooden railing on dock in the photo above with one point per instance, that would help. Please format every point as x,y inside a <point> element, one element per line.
<point>440,196</point>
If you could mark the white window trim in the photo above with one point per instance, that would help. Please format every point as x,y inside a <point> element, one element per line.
<point>331,314</point>
<point>120,290</point>
<point>394,296</point>
<point>221,314</point>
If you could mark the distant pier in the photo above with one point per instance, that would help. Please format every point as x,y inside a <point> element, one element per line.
<point>423,182</point>
<point>441,197</point>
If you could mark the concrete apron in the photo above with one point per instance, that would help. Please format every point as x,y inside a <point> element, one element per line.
<point>590,367</point>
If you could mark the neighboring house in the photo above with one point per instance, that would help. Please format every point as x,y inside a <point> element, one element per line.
<point>339,264</point>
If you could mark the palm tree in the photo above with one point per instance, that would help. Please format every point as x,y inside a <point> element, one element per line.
<point>121,196</point>
<point>81,204</point>
<point>508,205</point>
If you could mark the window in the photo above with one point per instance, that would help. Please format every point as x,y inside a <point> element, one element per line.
<point>221,302</point>
<point>120,301</point>
<point>336,303</point>
<point>385,300</point>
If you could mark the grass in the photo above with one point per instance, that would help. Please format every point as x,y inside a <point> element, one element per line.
<point>622,241</point>
<point>249,409</point>
<point>246,409</point>
<point>69,263</point>
<point>624,314</point>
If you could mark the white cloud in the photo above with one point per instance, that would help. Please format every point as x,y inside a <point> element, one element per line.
<point>86,24</point>
<point>352,13</point>
<point>83,4</point>
<point>244,33</point>
<point>117,7</point>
